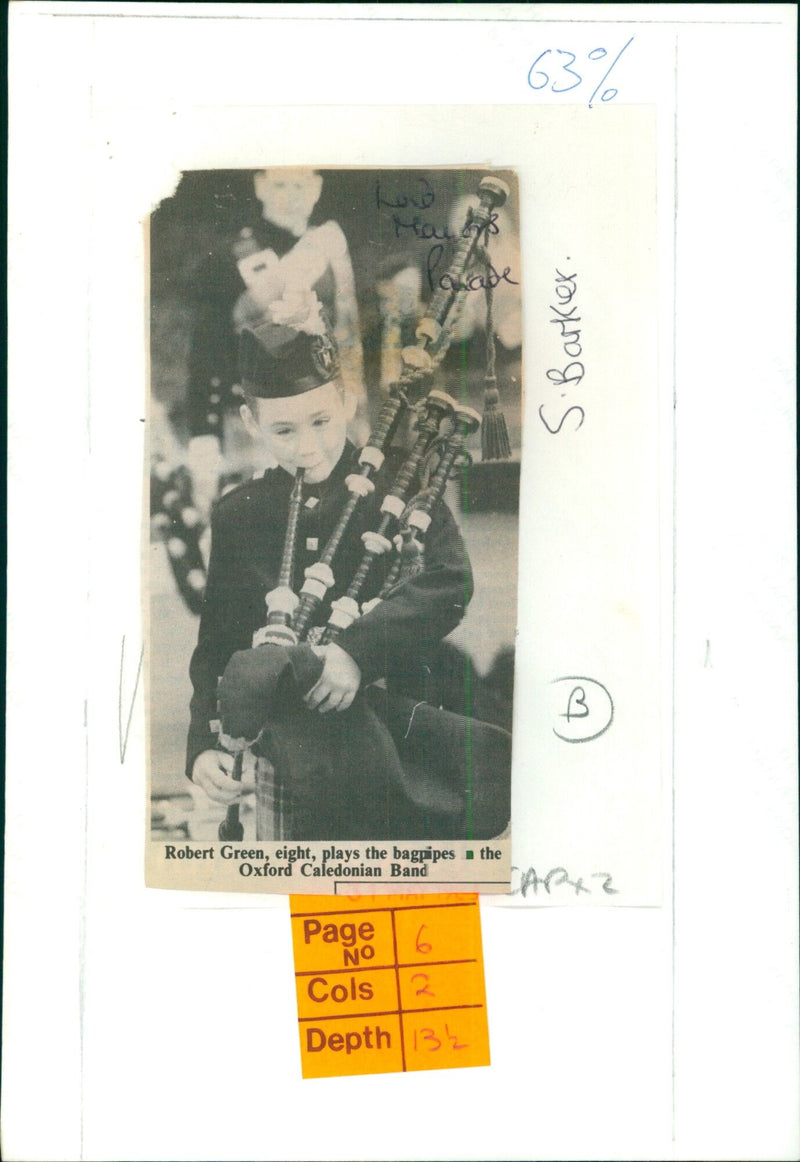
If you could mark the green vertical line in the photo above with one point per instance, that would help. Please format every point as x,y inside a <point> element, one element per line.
<point>468,740</point>
<point>464,393</point>
<point>461,187</point>
<point>467,660</point>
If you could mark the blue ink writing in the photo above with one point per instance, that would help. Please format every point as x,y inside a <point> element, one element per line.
<point>565,78</point>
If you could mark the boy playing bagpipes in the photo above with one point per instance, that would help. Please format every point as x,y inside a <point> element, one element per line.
<point>341,722</point>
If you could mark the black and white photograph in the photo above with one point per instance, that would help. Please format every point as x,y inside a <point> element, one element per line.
<point>336,412</point>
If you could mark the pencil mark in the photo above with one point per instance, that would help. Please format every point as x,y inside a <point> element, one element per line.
<point>589,706</point>
<point>529,881</point>
<point>571,375</point>
<point>707,663</point>
<point>123,737</point>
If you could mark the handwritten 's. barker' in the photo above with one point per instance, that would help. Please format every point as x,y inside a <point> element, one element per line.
<point>389,984</point>
<point>570,376</point>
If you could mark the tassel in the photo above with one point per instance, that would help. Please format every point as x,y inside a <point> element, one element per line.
<point>412,557</point>
<point>495,444</point>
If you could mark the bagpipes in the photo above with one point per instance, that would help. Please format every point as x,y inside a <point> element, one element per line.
<point>444,426</point>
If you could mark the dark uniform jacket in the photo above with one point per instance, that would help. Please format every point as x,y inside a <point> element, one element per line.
<point>392,641</point>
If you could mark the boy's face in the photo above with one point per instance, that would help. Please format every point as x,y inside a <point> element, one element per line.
<point>288,196</point>
<point>302,431</point>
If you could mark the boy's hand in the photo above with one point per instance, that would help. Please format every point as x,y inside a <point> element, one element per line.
<point>338,683</point>
<point>212,771</point>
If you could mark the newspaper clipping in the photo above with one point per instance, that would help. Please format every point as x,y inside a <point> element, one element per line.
<point>336,412</point>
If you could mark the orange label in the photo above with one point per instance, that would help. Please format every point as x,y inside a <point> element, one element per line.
<point>389,984</point>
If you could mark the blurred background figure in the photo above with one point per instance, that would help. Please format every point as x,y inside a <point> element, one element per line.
<point>400,304</point>
<point>270,271</point>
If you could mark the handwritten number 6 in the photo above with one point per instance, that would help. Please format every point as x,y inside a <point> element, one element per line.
<point>533,71</point>
<point>423,946</point>
<point>424,991</point>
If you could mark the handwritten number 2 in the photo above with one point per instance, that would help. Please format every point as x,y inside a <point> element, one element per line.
<point>606,878</point>
<point>454,1038</point>
<point>424,991</point>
